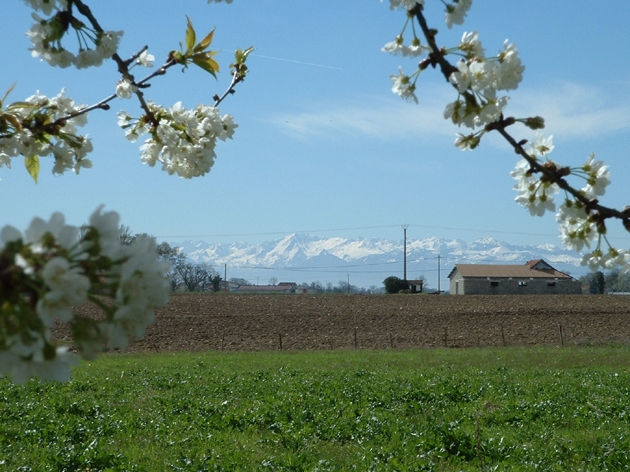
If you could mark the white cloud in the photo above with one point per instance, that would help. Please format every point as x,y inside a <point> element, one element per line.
<point>383,119</point>
<point>570,111</point>
<point>574,111</point>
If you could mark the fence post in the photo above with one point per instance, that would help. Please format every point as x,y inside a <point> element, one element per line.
<point>561,336</point>
<point>356,344</point>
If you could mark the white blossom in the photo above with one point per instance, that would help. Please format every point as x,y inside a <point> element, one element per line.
<point>509,71</point>
<point>9,234</point>
<point>52,51</point>
<point>183,140</point>
<point>125,89</point>
<point>403,86</point>
<point>534,195</point>
<point>67,146</point>
<point>47,6</point>
<point>467,142</point>
<point>108,43</point>
<point>63,269</point>
<point>21,369</point>
<point>491,111</point>
<point>609,259</point>
<point>406,4</point>
<point>597,177</point>
<point>108,227</point>
<point>462,78</point>
<point>616,258</point>
<point>456,12</point>
<point>542,146</point>
<point>595,260</point>
<point>145,59</point>
<point>460,113</point>
<point>88,58</point>
<point>471,45</point>
<point>536,202</point>
<point>481,78</point>
<point>398,48</point>
<point>576,230</point>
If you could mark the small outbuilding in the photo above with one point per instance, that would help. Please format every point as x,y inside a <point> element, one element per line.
<point>533,277</point>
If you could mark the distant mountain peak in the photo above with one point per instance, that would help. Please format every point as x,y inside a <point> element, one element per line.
<point>304,255</point>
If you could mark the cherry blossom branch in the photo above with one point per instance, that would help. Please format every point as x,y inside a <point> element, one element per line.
<point>102,105</point>
<point>236,78</point>
<point>554,174</point>
<point>550,172</point>
<point>49,125</point>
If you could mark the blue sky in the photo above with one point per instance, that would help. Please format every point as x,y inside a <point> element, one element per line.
<point>323,146</point>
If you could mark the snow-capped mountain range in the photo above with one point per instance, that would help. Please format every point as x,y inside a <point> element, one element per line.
<point>306,258</point>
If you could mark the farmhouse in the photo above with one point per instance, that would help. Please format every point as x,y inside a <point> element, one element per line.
<point>533,277</point>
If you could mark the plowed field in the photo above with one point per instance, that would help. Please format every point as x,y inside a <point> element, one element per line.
<point>231,322</point>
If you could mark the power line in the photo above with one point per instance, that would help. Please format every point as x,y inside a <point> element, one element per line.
<point>270,233</point>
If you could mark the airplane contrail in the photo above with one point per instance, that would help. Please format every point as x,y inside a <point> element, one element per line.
<point>297,62</point>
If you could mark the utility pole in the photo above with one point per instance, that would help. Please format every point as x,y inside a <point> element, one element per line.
<point>348,283</point>
<point>439,274</point>
<point>405,252</point>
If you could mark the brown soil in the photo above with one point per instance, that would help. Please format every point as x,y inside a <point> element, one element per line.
<point>230,322</point>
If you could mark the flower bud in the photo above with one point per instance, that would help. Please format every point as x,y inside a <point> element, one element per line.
<point>537,122</point>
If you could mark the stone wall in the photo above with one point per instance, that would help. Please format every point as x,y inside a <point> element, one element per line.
<point>513,286</point>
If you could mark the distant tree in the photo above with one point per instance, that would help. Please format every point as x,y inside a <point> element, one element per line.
<point>623,283</point>
<point>618,282</point>
<point>215,282</point>
<point>394,284</point>
<point>342,287</point>
<point>175,256</point>
<point>169,253</point>
<point>314,286</point>
<point>601,282</point>
<point>164,250</point>
<point>273,281</point>
<point>126,236</point>
<point>425,284</point>
<point>596,281</point>
<point>612,280</point>
<point>194,277</point>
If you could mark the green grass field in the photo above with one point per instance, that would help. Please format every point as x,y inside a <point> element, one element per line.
<point>443,410</point>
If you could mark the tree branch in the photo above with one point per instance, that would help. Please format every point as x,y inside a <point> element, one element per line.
<point>551,173</point>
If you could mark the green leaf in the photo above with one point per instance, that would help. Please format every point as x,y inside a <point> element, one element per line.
<point>7,94</point>
<point>241,56</point>
<point>205,42</point>
<point>191,37</point>
<point>23,105</point>
<point>205,61</point>
<point>32,166</point>
<point>11,119</point>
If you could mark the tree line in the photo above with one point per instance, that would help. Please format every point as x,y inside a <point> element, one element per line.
<point>612,282</point>
<point>185,275</point>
